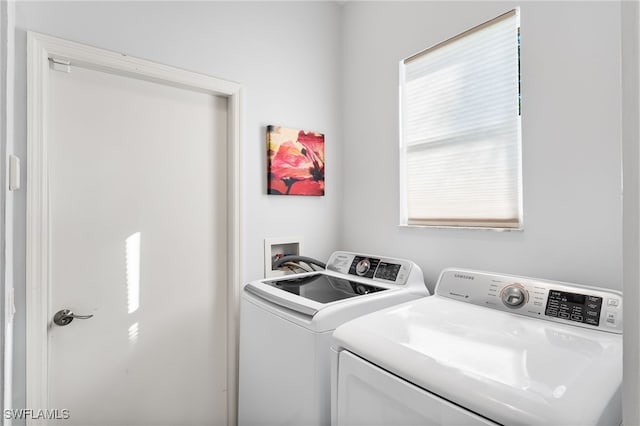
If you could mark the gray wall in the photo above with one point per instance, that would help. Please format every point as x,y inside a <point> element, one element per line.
<point>287,58</point>
<point>571,91</point>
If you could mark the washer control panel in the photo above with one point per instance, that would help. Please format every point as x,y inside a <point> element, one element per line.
<point>574,307</point>
<point>380,269</point>
<point>589,307</point>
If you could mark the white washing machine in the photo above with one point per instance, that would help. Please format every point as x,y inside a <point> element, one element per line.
<point>285,332</point>
<point>486,349</point>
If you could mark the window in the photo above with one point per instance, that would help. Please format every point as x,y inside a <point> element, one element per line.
<point>460,162</point>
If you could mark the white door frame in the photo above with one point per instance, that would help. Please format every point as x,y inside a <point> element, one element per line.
<point>40,49</point>
<point>7,62</point>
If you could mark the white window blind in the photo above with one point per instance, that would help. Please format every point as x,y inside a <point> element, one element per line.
<point>460,130</point>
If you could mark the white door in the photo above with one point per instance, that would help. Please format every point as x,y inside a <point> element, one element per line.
<point>137,193</point>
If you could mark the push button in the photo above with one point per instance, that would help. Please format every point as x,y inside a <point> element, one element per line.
<point>611,319</point>
<point>613,303</point>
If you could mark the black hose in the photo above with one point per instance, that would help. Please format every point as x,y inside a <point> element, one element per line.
<point>296,258</point>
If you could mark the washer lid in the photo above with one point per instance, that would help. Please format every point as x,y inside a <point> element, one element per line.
<point>508,368</point>
<point>310,292</point>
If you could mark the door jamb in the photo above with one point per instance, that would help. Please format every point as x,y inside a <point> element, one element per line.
<point>40,49</point>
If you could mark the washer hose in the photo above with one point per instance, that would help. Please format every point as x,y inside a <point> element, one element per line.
<point>296,258</point>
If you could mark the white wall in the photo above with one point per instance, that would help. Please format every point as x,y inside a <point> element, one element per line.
<point>571,139</point>
<point>287,57</point>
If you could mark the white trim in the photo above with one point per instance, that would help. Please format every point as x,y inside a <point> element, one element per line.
<point>39,49</point>
<point>630,54</point>
<point>7,25</point>
<point>37,276</point>
<point>233,242</point>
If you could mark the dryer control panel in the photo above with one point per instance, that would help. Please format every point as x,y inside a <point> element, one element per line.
<point>387,270</point>
<point>590,307</point>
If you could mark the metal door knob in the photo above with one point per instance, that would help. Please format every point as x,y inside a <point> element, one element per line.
<point>65,316</point>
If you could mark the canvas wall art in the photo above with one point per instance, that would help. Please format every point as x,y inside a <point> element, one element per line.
<point>296,161</point>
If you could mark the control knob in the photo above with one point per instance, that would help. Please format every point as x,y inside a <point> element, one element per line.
<point>363,267</point>
<point>513,296</point>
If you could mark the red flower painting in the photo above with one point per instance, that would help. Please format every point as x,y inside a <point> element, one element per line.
<point>296,161</point>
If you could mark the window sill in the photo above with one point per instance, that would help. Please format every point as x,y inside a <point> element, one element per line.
<point>478,228</point>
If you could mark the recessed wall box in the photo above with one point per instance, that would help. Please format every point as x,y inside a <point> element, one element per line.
<point>275,248</point>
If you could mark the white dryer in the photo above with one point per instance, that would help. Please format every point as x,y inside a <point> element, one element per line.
<point>285,332</point>
<point>486,349</point>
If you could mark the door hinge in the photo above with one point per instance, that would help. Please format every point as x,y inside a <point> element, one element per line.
<point>14,173</point>
<point>63,65</point>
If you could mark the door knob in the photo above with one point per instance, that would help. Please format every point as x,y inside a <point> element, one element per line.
<point>65,316</point>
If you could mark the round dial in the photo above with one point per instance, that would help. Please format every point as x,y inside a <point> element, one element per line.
<point>363,267</point>
<point>514,296</point>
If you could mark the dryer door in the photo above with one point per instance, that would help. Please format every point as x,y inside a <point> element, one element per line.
<point>368,395</point>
